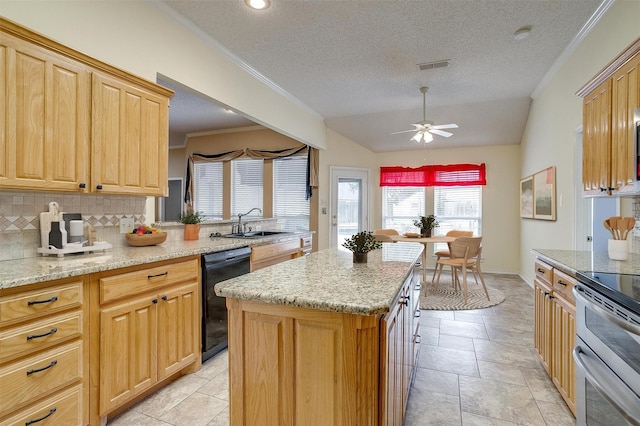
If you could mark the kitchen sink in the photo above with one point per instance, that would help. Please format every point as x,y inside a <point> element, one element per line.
<point>255,234</point>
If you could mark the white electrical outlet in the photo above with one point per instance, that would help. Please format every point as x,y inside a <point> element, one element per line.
<point>126,225</point>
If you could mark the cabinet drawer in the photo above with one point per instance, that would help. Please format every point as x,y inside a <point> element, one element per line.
<point>124,285</point>
<point>563,283</point>
<point>23,340</point>
<point>275,249</point>
<point>544,271</point>
<point>37,303</point>
<point>23,381</point>
<point>64,408</point>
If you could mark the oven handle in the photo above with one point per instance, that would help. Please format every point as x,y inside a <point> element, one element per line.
<point>633,329</point>
<point>622,399</point>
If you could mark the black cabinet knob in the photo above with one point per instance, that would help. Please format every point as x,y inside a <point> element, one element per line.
<point>98,186</point>
<point>164,298</point>
<point>82,185</point>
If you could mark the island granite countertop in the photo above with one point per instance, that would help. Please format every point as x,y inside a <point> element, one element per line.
<point>571,261</point>
<point>328,280</point>
<point>14,273</point>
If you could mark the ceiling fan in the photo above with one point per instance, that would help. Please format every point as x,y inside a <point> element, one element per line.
<point>425,129</point>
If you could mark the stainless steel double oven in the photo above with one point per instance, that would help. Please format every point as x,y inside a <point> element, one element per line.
<point>607,351</point>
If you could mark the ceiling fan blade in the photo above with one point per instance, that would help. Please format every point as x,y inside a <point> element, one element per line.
<point>403,131</point>
<point>445,126</point>
<point>440,132</point>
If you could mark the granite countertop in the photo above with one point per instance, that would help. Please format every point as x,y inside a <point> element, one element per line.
<point>14,273</point>
<point>571,261</point>
<point>328,280</point>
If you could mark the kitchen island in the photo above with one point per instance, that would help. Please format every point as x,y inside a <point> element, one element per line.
<point>321,340</point>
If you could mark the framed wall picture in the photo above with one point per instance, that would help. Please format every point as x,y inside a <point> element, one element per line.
<point>526,197</point>
<point>544,194</point>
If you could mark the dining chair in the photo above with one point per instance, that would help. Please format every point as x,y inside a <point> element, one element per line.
<point>445,253</point>
<point>465,255</point>
<point>382,235</point>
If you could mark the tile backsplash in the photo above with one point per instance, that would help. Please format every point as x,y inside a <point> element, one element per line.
<point>20,217</point>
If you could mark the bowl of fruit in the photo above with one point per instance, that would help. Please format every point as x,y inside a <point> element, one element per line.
<point>145,236</point>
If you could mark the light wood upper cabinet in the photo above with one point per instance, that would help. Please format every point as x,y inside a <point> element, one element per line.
<point>72,123</point>
<point>625,100</point>
<point>45,116</point>
<point>129,138</point>
<point>596,139</point>
<point>608,143</point>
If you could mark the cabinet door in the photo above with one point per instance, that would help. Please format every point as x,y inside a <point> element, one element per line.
<point>563,341</point>
<point>543,306</point>
<point>596,139</point>
<point>128,350</point>
<point>45,118</point>
<point>391,363</point>
<point>178,329</point>
<point>129,138</point>
<point>626,98</point>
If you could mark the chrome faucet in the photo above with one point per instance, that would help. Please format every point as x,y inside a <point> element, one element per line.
<point>239,225</point>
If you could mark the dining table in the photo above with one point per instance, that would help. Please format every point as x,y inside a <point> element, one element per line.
<point>422,240</point>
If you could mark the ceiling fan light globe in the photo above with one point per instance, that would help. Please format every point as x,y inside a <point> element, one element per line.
<point>427,137</point>
<point>417,137</point>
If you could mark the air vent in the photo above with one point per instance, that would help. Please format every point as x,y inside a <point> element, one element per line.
<point>432,65</point>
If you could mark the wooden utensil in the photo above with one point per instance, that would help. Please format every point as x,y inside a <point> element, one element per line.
<point>607,226</point>
<point>613,222</point>
<point>629,224</point>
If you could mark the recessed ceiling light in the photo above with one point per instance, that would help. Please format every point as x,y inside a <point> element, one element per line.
<point>522,33</point>
<point>257,4</point>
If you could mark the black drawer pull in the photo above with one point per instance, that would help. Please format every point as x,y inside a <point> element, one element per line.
<point>540,270</point>
<point>562,283</point>
<point>37,302</point>
<point>157,275</point>
<point>37,336</point>
<point>30,422</point>
<point>37,370</point>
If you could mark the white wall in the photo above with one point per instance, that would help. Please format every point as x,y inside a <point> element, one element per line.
<point>144,40</point>
<point>549,137</point>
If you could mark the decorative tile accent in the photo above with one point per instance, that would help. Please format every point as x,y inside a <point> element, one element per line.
<point>20,217</point>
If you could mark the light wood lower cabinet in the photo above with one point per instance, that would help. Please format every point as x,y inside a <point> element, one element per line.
<point>276,252</point>
<point>43,353</point>
<point>145,336</point>
<point>555,328</point>
<point>298,366</point>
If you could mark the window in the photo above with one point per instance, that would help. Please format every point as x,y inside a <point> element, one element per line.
<point>290,206</point>
<point>401,205</point>
<point>246,185</point>
<point>458,207</point>
<point>208,189</point>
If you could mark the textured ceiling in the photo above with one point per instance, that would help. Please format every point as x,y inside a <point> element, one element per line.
<point>355,61</point>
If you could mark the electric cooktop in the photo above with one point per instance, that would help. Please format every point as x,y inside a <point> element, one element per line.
<point>622,288</point>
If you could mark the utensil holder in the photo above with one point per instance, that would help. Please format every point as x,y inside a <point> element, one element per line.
<point>618,249</point>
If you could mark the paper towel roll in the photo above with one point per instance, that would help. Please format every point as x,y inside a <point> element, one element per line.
<point>76,231</point>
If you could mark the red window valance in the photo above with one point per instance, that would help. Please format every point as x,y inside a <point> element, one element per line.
<point>434,175</point>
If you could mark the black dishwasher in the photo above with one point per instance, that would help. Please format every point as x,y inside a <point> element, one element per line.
<point>217,267</point>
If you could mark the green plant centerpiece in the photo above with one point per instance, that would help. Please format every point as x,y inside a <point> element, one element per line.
<point>361,244</point>
<point>426,224</point>
<point>191,220</point>
<point>191,217</point>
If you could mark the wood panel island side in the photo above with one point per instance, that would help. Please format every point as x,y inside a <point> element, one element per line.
<point>320,340</point>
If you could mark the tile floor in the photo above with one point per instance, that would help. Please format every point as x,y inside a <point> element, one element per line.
<point>475,368</point>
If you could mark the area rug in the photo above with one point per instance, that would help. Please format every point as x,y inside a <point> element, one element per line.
<point>445,298</point>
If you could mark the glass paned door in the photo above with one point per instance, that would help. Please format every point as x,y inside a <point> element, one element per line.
<point>349,203</point>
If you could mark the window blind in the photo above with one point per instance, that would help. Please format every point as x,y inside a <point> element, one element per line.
<point>458,207</point>
<point>246,186</point>
<point>290,203</point>
<point>401,206</point>
<point>208,189</point>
